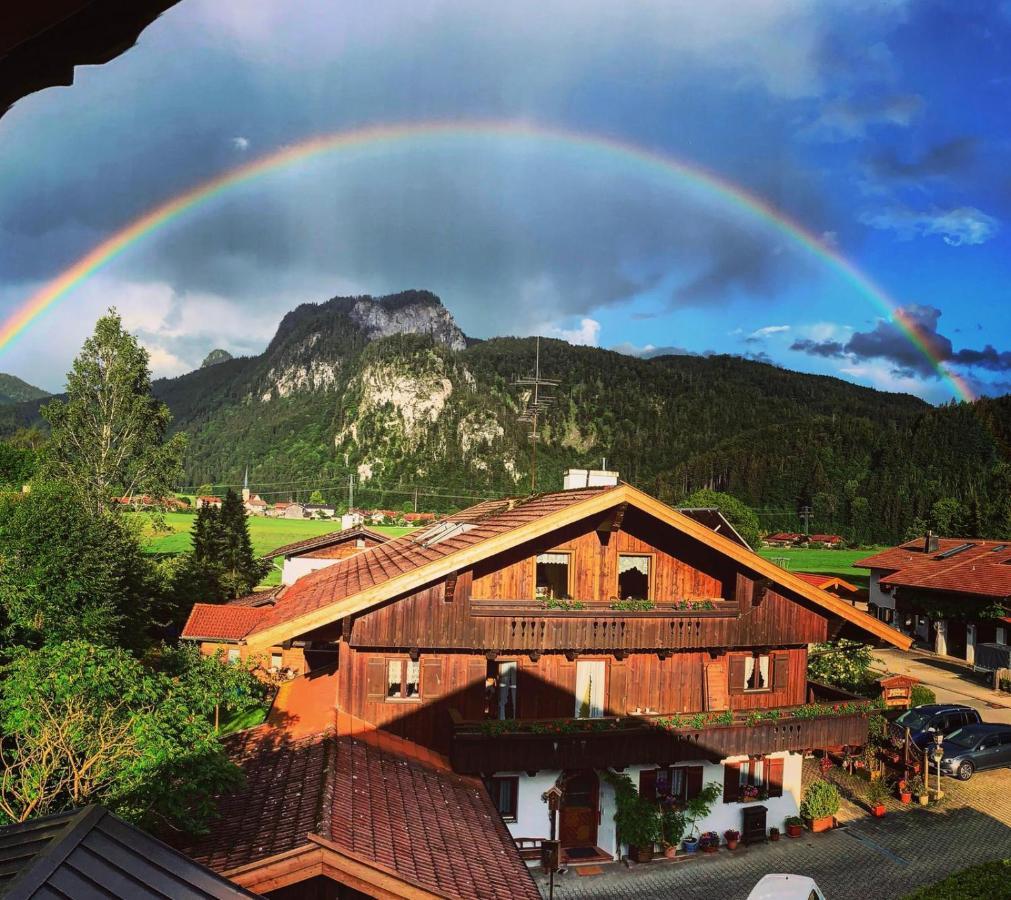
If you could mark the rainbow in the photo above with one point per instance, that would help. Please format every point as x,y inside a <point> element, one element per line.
<point>378,135</point>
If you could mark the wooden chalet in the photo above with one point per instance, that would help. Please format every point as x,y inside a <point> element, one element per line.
<point>784,539</point>
<point>537,642</point>
<point>951,593</point>
<point>303,557</point>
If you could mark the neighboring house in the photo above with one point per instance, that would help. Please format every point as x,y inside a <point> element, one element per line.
<point>147,501</point>
<point>278,510</point>
<point>318,510</point>
<point>948,592</point>
<point>208,501</point>
<point>89,852</point>
<point>303,557</point>
<point>352,519</point>
<point>254,504</point>
<point>833,584</point>
<point>419,518</point>
<point>444,641</point>
<point>294,511</point>
<point>834,541</point>
<point>784,539</point>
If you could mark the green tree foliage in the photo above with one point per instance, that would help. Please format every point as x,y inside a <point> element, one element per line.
<point>109,435</point>
<point>843,663</point>
<point>316,498</point>
<point>734,511</point>
<point>17,465</point>
<point>68,570</point>
<point>84,724</point>
<point>947,517</point>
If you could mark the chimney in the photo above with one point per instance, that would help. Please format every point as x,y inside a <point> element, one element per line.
<point>588,478</point>
<point>931,544</point>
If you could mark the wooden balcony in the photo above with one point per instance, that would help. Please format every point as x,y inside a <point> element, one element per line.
<point>690,609</point>
<point>484,747</point>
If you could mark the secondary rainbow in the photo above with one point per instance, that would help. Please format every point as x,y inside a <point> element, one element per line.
<point>588,143</point>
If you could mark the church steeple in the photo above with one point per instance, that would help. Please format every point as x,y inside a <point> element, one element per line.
<point>245,485</point>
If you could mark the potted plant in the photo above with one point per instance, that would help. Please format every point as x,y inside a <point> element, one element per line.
<point>672,828</point>
<point>696,810</point>
<point>637,818</point>
<point>918,789</point>
<point>733,837</point>
<point>794,825</point>
<point>774,834</point>
<point>820,804</point>
<point>877,793</point>
<point>905,795</point>
<point>709,842</point>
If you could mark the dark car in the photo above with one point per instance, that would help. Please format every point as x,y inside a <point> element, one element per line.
<point>974,748</point>
<point>924,722</point>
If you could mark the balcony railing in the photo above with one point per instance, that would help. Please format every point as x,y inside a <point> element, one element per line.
<point>488,746</point>
<point>714,608</point>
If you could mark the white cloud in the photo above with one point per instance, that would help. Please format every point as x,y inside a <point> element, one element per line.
<point>587,332</point>
<point>825,331</point>
<point>964,226</point>
<point>240,143</point>
<point>768,331</point>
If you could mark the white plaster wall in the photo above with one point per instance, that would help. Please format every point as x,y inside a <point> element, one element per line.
<point>532,812</point>
<point>876,595</point>
<point>297,566</point>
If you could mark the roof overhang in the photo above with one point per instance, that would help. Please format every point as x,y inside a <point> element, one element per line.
<point>598,503</point>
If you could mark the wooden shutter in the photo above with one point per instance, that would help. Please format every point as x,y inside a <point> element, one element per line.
<point>473,696</point>
<point>731,782</point>
<point>647,784</point>
<point>774,776</point>
<point>693,782</point>
<point>780,671</point>
<point>375,680</point>
<point>736,685</point>
<point>431,678</point>
<point>716,686</point>
<point>617,694</point>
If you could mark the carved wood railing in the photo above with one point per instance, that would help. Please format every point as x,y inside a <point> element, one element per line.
<point>696,609</point>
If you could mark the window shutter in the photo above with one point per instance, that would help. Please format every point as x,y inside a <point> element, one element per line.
<point>431,678</point>
<point>693,782</point>
<point>774,776</point>
<point>780,671</point>
<point>616,695</point>
<point>647,784</point>
<point>736,675</point>
<point>375,680</point>
<point>731,782</point>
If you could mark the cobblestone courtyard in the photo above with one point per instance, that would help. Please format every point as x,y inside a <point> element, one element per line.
<point>865,859</point>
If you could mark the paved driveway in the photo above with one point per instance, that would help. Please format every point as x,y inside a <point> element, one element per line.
<point>865,859</point>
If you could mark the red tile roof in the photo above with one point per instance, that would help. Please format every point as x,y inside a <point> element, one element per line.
<point>984,569</point>
<point>328,540</point>
<point>222,622</point>
<point>784,536</point>
<point>826,581</point>
<point>827,538</point>
<point>431,827</point>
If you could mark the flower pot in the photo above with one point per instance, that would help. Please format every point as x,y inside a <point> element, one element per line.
<point>824,823</point>
<point>794,831</point>
<point>640,854</point>
<point>691,845</point>
<point>671,851</point>
<point>924,799</point>
<point>878,811</point>
<point>709,849</point>
<point>773,835</point>
<point>906,797</point>
<point>731,845</point>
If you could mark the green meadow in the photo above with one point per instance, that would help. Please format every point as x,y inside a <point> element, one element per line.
<point>821,562</point>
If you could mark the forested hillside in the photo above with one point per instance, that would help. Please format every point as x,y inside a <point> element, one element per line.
<point>390,391</point>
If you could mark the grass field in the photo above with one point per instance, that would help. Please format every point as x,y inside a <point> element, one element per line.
<point>827,562</point>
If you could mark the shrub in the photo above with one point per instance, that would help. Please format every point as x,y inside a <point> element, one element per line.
<point>793,821</point>
<point>821,799</point>
<point>878,791</point>
<point>922,696</point>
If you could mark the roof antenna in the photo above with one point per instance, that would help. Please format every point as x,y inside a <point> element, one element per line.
<point>540,399</point>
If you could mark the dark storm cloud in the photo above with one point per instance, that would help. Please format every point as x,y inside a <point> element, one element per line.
<point>889,342</point>
<point>942,159</point>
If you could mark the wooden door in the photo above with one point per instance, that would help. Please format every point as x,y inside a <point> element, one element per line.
<point>578,812</point>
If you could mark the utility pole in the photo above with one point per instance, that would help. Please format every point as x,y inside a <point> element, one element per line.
<point>540,399</point>
<point>806,513</point>
<point>415,498</point>
<point>351,491</point>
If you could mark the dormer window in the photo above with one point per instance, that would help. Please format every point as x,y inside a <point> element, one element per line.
<point>633,576</point>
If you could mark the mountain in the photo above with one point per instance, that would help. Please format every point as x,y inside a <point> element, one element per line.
<point>216,356</point>
<point>390,390</point>
<point>14,390</point>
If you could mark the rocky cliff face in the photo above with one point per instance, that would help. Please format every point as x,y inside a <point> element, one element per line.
<point>422,314</point>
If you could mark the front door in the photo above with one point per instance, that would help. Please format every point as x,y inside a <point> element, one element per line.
<point>577,812</point>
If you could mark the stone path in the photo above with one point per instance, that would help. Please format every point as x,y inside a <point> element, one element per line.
<point>865,859</point>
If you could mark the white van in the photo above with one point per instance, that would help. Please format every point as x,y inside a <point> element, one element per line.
<point>786,887</point>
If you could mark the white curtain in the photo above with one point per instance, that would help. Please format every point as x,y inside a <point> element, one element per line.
<point>556,559</point>
<point>507,690</point>
<point>763,671</point>
<point>749,670</point>
<point>630,563</point>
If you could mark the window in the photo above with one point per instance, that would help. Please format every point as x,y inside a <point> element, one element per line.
<point>501,690</point>
<point>590,680</point>
<point>275,661</point>
<point>756,673</point>
<point>633,577</point>
<point>504,794</point>
<point>402,676</point>
<point>753,779</point>
<point>233,655</point>
<point>552,575</point>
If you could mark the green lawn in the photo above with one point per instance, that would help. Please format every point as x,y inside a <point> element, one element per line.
<point>990,880</point>
<point>828,562</point>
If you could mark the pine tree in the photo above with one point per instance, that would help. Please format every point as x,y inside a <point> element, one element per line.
<point>241,570</point>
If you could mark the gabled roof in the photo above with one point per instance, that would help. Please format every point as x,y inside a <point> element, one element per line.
<point>328,540</point>
<point>221,621</point>
<point>982,568</point>
<point>406,563</point>
<point>827,582</point>
<point>432,829</point>
<point>89,852</point>
<point>826,538</point>
<point>714,520</point>
<point>784,536</point>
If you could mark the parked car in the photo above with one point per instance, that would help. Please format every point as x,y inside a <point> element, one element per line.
<point>924,722</point>
<point>974,748</point>
<point>786,887</point>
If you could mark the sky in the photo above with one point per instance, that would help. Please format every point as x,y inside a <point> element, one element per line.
<point>880,127</point>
